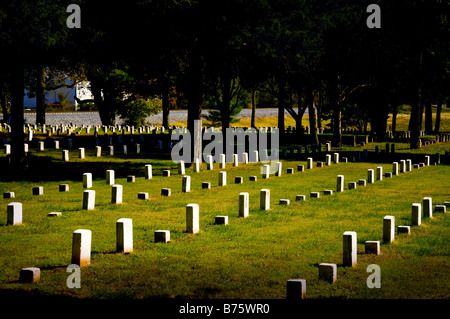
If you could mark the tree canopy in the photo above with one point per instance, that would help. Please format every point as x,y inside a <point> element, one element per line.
<point>317,55</point>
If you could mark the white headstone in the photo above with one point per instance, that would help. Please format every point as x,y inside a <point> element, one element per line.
<point>14,214</point>
<point>309,163</point>
<point>243,204</point>
<point>245,158</point>
<point>116,194</point>
<point>87,180</point>
<point>370,176</point>
<point>235,160</point>
<point>328,159</point>
<point>221,220</point>
<point>416,214</point>
<point>81,247</point>
<point>264,199</point>
<point>181,168</point>
<point>372,247</point>
<point>54,214</point>
<point>38,190</point>
<point>328,272</point>
<point>143,195</point>
<point>408,165</point>
<point>352,185</point>
<point>279,169</point>
<point>30,274</point>
<point>403,230</point>
<point>255,157</point>
<point>166,191</point>
<point>81,153</point>
<point>7,195</point>
<point>186,184</point>
<point>222,178</point>
<point>124,235</point>
<point>388,229</point>
<point>110,177</point>
<point>349,249</point>
<point>65,155</point>
<point>162,236</point>
<point>209,163</point>
<point>379,173</point>
<point>395,168</point>
<point>296,289</point>
<point>192,218</point>
<point>222,161</point>
<point>336,158</point>
<point>265,171</point>
<point>148,171</point>
<point>402,166</point>
<point>427,207</point>
<point>88,199</point>
<point>340,183</point>
<point>196,165</point>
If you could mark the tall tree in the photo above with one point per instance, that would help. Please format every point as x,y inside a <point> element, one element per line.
<point>28,26</point>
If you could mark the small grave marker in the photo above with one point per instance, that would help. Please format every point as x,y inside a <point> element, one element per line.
<point>81,247</point>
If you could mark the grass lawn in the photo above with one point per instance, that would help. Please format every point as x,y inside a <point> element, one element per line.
<point>251,257</point>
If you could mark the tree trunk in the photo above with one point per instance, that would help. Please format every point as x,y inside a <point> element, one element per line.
<point>252,124</point>
<point>437,124</point>
<point>428,118</point>
<point>225,111</point>
<point>421,109</point>
<point>319,110</point>
<point>415,123</point>
<point>40,96</point>
<point>281,105</point>
<point>105,103</point>
<point>194,96</point>
<point>4,106</point>
<point>394,119</point>
<point>226,103</point>
<point>298,121</point>
<point>312,117</point>
<point>165,107</point>
<point>17,119</point>
<point>337,116</point>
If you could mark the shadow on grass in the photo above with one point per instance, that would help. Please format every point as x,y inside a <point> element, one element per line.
<point>45,168</point>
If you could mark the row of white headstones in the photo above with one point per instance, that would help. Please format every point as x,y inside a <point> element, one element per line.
<point>296,288</point>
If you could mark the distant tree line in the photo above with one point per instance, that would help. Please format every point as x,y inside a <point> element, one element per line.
<point>319,56</point>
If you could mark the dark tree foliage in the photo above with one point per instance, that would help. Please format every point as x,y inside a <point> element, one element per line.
<point>317,55</point>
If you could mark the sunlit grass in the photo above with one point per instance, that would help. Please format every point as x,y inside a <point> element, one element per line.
<point>249,258</point>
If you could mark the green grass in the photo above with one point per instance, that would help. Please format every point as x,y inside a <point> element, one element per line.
<point>249,258</point>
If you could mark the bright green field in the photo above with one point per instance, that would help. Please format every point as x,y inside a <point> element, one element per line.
<point>251,257</point>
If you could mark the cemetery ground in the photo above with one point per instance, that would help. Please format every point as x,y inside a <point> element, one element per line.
<point>250,258</point>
